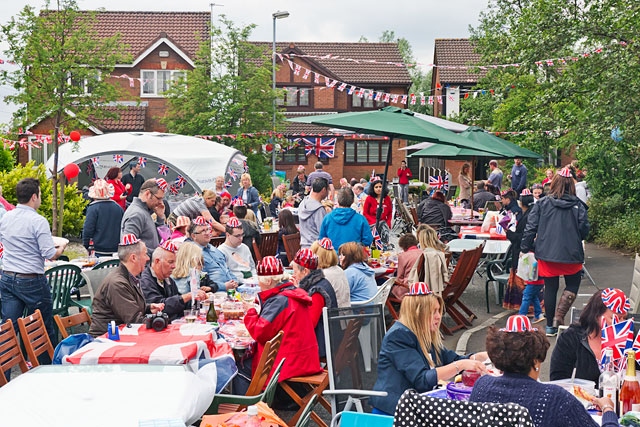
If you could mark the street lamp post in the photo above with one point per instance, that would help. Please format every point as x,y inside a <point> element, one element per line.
<point>276,15</point>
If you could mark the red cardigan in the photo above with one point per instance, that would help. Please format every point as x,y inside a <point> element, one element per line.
<point>371,206</point>
<point>119,189</point>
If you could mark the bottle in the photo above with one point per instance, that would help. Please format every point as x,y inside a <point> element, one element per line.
<point>92,251</point>
<point>212,316</point>
<point>231,294</point>
<point>630,391</point>
<point>253,419</point>
<point>608,383</point>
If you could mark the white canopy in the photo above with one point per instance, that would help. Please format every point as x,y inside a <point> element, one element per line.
<point>199,161</point>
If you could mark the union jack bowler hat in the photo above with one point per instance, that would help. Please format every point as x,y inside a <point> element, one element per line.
<point>518,323</point>
<point>237,202</point>
<point>269,266</point>
<point>162,184</point>
<point>306,258</point>
<point>526,192</point>
<point>419,288</point>
<point>565,172</point>
<point>168,245</point>
<point>326,243</point>
<point>128,239</point>
<point>200,221</point>
<point>234,222</point>
<point>615,300</point>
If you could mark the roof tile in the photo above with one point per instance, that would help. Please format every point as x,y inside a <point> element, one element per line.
<point>130,119</point>
<point>458,52</point>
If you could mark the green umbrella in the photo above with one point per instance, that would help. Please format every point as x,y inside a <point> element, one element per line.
<point>452,152</point>
<point>492,143</point>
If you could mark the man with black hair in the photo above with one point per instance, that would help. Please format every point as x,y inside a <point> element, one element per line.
<point>134,179</point>
<point>481,196</point>
<point>311,212</point>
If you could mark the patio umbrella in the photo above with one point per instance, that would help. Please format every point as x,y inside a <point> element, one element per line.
<point>392,122</point>
<point>490,142</point>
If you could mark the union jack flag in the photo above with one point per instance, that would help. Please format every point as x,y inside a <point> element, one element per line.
<point>618,337</point>
<point>180,181</point>
<point>439,183</point>
<point>228,184</point>
<point>376,239</point>
<point>173,190</point>
<point>118,158</point>
<point>321,147</point>
<point>245,166</point>
<point>95,161</point>
<point>232,174</point>
<point>142,161</point>
<point>163,169</point>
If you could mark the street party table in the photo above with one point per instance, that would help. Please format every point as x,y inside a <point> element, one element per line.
<point>178,344</point>
<point>268,418</point>
<point>475,232</point>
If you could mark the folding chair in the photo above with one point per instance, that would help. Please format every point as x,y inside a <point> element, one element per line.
<point>217,241</point>
<point>316,385</point>
<point>291,245</point>
<point>62,279</point>
<point>305,417</point>
<point>34,337</point>
<point>498,275</point>
<point>10,354</point>
<point>71,321</point>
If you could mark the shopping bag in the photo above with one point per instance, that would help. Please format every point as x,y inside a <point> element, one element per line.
<point>528,267</point>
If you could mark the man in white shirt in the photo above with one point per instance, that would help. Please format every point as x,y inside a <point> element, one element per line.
<point>238,255</point>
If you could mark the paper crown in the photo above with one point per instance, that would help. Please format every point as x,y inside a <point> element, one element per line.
<point>326,243</point>
<point>419,288</point>
<point>269,266</point>
<point>182,221</point>
<point>526,192</point>
<point>565,172</point>
<point>518,323</point>
<point>162,184</point>
<point>615,300</point>
<point>306,258</point>
<point>237,202</point>
<point>101,189</point>
<point>168,245</point>
<point>200,220</point>
<point>234,222</point>
<point>506,193</point>
<point>128,239</point>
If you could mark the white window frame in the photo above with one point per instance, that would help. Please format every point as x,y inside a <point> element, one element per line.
<point>173,76</point>
<point>85,83</point>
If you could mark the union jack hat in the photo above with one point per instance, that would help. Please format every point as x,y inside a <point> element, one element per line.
<point>565,172</point>
<point>526,192</point>
<point>162,184</point>
<point>269,266</point>
<point>306,258</point>
<point>200,221</point>
<point>418,289</point>
<point>168,245</point>
<point>518,323</point>
<point>506,193</point>
<point>234,222</point>
<point>128,239</point>
<point>182,221</point>
<point>615,300</point>
<point>326,243</point>
<point>237,202</point>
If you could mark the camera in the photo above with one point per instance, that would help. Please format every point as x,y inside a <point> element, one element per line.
<point>158,322</point>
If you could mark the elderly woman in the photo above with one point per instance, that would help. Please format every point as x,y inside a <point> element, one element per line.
<point>361,277</point>
<point>248,193</point>
<point>579,347</point>
<point>328,262</point>
<point>413,354</point>
<point>518,351</point>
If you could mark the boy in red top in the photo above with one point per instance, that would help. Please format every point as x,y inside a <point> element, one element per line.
<point>404,174</point>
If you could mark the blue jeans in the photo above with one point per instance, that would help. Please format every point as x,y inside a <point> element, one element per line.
<point>19,294</point>
<point>404,192</point>
<point>531,295</point>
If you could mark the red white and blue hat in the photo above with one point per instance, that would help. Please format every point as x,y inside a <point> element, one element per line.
<point>234,222</point>
<point>615,300</point>
<point>162,184</point>
<point>326,243</point>
<point>526,192</point>
<point>269,266</point>
<point>170,246</point>
<point>237,202</point>
<point>419,288</point>
<point>565,172</point>
<point>200,220</point>
<point>128,239</point>
<point>306,258</point>
<point>518,323</point>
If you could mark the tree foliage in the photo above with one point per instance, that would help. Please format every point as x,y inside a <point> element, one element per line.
<point>62,69</point>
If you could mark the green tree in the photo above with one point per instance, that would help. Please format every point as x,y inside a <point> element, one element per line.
<point>60,62</point>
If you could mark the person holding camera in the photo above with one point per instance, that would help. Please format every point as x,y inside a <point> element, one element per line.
<point>158,286</point>
<point>119,297</point>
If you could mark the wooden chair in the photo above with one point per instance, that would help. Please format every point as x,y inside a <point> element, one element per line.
<point>34,337</point>
<point>414,214</point>
<point>460,279</point>
<point>269,244</point>
<point>10,354</point>
<point>217,241</point>
<point>62,279</point>
<point>291,245</point>
<point>315,385</point>
<point>67,322</point>
<point>226,403</point>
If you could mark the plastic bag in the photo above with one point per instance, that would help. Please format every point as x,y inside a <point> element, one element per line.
<point>69,345</point>
<point>528,267</point>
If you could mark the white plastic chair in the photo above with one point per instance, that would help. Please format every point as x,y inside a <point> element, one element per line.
<point>365,336</point>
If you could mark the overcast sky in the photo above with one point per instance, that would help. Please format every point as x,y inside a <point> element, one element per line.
<point>420,22</point>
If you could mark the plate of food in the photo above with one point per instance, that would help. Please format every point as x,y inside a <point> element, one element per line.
<point>59,241</point>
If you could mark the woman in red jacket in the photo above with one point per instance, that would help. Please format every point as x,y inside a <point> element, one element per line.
<point>114,177</point>
<point>371,204</point>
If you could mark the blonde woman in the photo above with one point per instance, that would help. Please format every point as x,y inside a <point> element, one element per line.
<point>328,263</point>
<point>190,256</point>
<point>248,193</point>
<point>434,270</point>
<point>276,201</point>
<point>465,182</point>
<point>413,354</point>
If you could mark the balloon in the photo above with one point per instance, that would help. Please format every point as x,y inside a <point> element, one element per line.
<point>75,136</point>
<point>71,170</point>
<point>269,148</point>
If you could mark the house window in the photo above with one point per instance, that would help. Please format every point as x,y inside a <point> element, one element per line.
<point>293,155</point>
<point>295,96</point>
<point>82,86</point>
<point>156,82</point>
<point>365,151</point>
<point>366,101</point>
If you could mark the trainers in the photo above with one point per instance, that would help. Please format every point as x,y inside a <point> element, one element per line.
<point>539,319</point>
<point>551,331</point>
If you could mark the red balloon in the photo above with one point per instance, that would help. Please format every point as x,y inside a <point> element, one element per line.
<point>269,148</point>
<point>75,136</point>
<point>71,170</point>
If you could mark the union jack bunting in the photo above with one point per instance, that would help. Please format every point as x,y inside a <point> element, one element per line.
<point>618,337</point>
<point>142,161</point>
<point>180,181</point>
<point>118,158</point>
<point>163,169</point>
<point>376,239</point>
<point>439,183</point>
<point>173,190</point>
<point>232,173</point>
<point>321,147</point>
<point>95,161</point>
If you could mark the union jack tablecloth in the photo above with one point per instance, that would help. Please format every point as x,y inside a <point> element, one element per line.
<point>475,232</point>
<point>177,344</point>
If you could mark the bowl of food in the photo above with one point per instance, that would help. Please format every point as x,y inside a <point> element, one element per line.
<point>458,391</point>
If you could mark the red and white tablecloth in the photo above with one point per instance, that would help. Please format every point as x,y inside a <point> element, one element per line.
<point>475,232</point>
<point>177,344</point>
